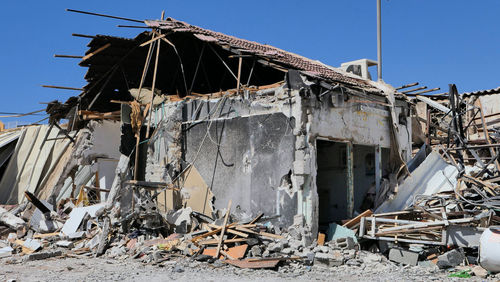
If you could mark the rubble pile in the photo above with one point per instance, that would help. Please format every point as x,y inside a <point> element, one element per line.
<point>326,169</point>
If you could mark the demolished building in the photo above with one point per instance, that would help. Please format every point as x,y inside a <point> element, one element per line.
<point>271,130</point>
<point>184,118</point>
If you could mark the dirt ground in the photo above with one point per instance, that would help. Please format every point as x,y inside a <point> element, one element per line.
<point>183,269</point>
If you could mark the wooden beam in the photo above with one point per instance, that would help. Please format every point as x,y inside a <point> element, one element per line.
<point>210,233</point>
<point>217,253</point>
<point>62,87</point>
<point>153,91</point>
<point>214,242</point>
<point>86,57</point>
<point>152,40</point>
<point>240,60</point>
<point>407,85</point>
<point>426,91</point>
<point>414,89</point>
<point>133,26</point>
<point>103,15</point>
<point>67,56</point>
<point>83,35</point>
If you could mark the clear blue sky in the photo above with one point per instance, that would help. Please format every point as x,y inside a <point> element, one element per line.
<point>432,42</point>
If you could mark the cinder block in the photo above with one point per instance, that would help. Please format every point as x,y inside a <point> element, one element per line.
<point>403,256</point>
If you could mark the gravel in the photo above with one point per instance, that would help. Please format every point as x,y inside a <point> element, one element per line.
<point>184,269</point>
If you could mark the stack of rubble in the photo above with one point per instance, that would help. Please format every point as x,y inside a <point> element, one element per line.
<point>438,212</point>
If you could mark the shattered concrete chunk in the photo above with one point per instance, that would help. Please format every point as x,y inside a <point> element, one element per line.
<point>330,259</point>
<point>479,271</point>
<point>256,251</point>
<point>403,257</point>
<point>450,259</point>
<point>6,252</point>
<point>10,220</point>
<point>65,244</point>
<point>42,255</point>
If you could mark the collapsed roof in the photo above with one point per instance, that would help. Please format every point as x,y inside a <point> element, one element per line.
<point>192,60</point>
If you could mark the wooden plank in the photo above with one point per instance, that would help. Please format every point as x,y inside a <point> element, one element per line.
<point>210,233</point>
<point>237,252</point>
<point>241,234</point>
<point>67,56</point>
<point>321,238</point>
<point>270,235</point>
<point>223,228</point>
<point>42,236</point>
<point>62,87</point>
<point>256,218</point>
<point>90,55</point>
<point>246,230</point>
<point>152,40</point>
<point>357,219</point>
<point>216,242</point>
<point>150,113</point>
<point>229,230</point>
<point>240,60</point>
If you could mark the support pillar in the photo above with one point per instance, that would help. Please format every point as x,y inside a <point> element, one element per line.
<point>350,180</point>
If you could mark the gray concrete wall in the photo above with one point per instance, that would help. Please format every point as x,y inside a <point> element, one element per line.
<point>256,155</point>
<point>267,161</point>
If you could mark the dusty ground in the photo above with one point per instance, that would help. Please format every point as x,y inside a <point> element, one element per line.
<point>102,269</point>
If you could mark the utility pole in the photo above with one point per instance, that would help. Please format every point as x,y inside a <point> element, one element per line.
<point>379,41</point>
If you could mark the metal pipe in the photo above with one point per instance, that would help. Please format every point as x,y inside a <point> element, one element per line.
<point>414,89</point>
<point>379,40</point>
<point>103,15</point>
<point>407,85</point>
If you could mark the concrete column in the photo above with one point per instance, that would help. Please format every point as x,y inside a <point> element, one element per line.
<point>378,168</point>
<point>350,179</point>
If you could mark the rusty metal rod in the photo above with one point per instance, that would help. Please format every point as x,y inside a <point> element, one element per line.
<point>82,35</point>
<point>429,90</point>
<point>67,56</point>
<point>414,89</point>
<point>407,85</point>
<point>133,26</point>
<point>103,15</point>
<point>62,87</point>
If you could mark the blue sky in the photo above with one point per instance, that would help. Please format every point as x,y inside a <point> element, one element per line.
<point>432,42</point>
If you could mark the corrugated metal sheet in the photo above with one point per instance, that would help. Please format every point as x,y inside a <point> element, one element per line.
<point>31,161</point>
<point>8,144</point>
<point>8,136</point>
<point>482,92</point>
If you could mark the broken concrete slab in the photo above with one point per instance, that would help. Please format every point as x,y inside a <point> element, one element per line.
<point>6,252</point>
<point>42,255</point>
<point>10,220</point>
<point>479,271</point>
<point>76,235</point>
<point>450,259</point>
<point>463,236</point>
<point>336,231</point>
<point>432,176</point>
<point>48,226</point>
<point>403,256</point>
<point>77,215</point>
<point>32,244</point>
<point>65,244</point>
<point>329,259</point>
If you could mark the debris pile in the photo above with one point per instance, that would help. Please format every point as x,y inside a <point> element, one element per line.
<point>450,197</point>
<point>315,165</point>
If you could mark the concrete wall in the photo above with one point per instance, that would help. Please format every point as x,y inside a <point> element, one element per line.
<point>267,161</point>
<point>256,154</point>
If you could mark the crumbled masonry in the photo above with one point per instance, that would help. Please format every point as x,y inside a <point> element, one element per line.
<point>215,150</point>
